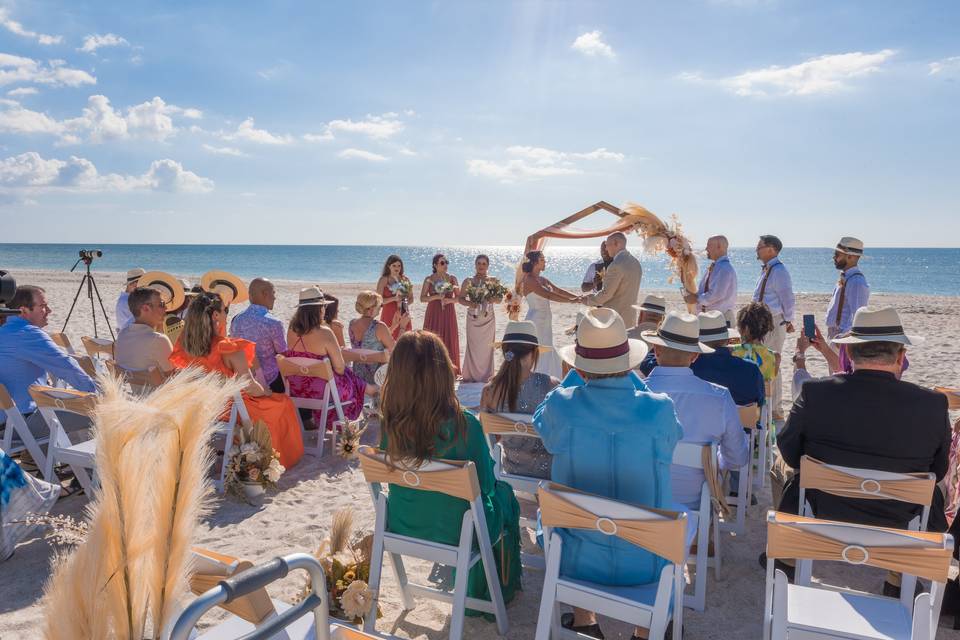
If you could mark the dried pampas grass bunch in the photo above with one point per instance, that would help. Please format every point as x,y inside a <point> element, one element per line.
<point>125,581</point>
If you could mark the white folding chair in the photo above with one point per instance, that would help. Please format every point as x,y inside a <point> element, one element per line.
<point>749,415</point>
<point>60,450</point>
<point>238,414</point>
<point>99,349</point>
<point>139,380</point>
<point>667,534</point>
<point>814,610</point>
<point>315,368</point>
<point>454,478</point>
<point>17,435</point>
<point>704,458</point>
<point>766,440</point>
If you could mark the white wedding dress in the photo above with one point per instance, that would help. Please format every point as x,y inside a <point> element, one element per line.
<point>539,312</point>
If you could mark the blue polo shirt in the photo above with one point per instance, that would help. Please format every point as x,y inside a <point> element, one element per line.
<point>742,377</point>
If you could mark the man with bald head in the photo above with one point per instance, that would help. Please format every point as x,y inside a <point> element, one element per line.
<point>259,326</point>
<point>621,282</point>
<point>718,287</point>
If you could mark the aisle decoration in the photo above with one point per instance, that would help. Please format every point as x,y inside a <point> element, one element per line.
<point>254,464</point>
<point>484,295</point>
<point>349,442</point>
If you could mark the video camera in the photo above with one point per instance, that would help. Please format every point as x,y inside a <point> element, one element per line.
<point>87,255</point>
<point>8,287</point>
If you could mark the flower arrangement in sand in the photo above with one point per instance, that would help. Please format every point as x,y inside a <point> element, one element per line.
<point>129,574</point>
<point>253,458</point>
<point>346,564</point>
<point>511,301</point>
<point>491,291</point>
<point>349,442</point>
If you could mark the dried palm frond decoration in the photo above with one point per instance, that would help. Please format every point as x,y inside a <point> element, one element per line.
<point>126,579</point>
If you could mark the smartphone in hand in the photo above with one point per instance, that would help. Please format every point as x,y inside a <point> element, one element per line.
<point>810,326</point>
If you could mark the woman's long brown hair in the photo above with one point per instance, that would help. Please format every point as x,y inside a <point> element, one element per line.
<point>505,386</point>
<point>418,397</point>
<point>198,329</point>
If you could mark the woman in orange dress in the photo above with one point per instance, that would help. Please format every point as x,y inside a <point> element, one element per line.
<point>440,291</point>
<point>395,312</point>
<point>203,343</point>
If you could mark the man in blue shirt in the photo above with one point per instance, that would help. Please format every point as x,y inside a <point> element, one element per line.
<point>28,353</point>
<point>741,377</point>
<point>852,290</point>
<point>718,288</point>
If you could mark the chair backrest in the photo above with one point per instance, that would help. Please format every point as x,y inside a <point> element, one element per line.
<point>86,363</point>
<point>211,567</point>
<point>916,553</point>
<point>953,396</point>
<point>61,340</point>
<point>6,401</point>
<point>658,531</point>
<point>79,402</point>
<point>309,367</point>
<point>457,478</point>
<point>510,424</point>
<point>97,346</point>
<point>703,457</point>
<point>142,378</point>
<point>749,415</point>
<point>914,488</point>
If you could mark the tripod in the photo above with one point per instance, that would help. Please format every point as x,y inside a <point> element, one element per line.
<point>91,290</point>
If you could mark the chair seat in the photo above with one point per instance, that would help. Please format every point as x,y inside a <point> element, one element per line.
<point>234,627</point>
<point>81,454</point>
<point>846,615</point>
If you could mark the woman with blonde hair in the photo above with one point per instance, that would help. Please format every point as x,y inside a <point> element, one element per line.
<point>366,332</point>
<point>423,420</point>
<point>203,343</point>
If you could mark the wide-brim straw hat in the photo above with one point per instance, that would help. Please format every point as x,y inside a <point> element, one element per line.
<point>850,246</point>
<point>521,332</point>
<point>680,331</point>
<point>713,327</point>
<point>602,345</point>
<point>230,287</point>
<point>170,289</point>
<point>133,275</point>
<point>312,297</point>
<point>653,304</point>
<point>872,324</point>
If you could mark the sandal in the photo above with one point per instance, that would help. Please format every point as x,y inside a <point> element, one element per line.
<point>592,630</point>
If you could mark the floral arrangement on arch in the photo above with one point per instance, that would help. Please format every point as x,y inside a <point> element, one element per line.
<point>252,458</point>
<point>485,294</point>
<point>659,237</point>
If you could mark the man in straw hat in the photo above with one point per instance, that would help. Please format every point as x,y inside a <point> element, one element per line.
<point>741,377</point>
<point>652,310</point>
<point>261,327</point>
<point>706,410</point>
<point>718,287</point>
<point>612,437</point>
<point>852,290</point>
<point>173,296</point>
<point>124,317</point>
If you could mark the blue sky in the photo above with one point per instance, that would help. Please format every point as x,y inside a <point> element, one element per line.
<point>477,122</point>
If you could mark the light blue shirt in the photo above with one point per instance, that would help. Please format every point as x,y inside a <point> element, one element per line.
<point>707,415</point>
<point>27,353</point>
<point>778,295</point>
<point>857,295</point>
<point>124,317</point>
<point>722,295</point>
<point>261,327</point>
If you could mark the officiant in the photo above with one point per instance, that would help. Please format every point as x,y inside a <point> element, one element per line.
<point>621,281</point>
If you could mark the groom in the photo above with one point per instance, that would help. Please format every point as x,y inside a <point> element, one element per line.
<point>621,282</point>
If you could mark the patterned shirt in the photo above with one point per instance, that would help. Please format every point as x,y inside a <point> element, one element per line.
<point>261,327</point>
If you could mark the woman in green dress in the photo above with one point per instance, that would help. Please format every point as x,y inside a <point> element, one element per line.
<point>423,420</point>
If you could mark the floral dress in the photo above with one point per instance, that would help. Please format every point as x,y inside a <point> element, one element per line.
<point>350,387</point>
<point>366,370</point>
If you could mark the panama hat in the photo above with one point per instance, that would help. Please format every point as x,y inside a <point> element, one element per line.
<point>602,345</point>
<point>231,288</point>
<point>713,327</point>
<point>521,332</point>
<point>171,291</point>
<point>871,324</point>
<point>680,331</point>
<point>850,246</point>
<point>312,297</point>
<point>653,304</point>
<point>133,275</point>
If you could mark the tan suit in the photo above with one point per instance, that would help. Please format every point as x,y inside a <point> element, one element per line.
<point>621,286</point>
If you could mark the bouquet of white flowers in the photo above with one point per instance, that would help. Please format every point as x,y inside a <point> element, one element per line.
<point>402,288</point>
<point>252,459</point>
<point>442,288</point>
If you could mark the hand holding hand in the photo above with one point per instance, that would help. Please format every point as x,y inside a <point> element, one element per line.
<point>690,298</point>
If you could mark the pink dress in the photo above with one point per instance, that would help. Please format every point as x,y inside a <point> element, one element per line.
<point>350,386</point>
<point>442,320</point>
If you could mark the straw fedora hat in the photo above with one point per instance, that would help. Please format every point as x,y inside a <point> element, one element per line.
<point>312,297</point>
<point>231,288</point>
<point>171,291</point>
<point>653,304</point>
<point>680,331</point>
<point>133,275</point>
<point>521,332</point>
<point>602,345</point>
<point>850,246</point>
<point>713,327</point>
<point>871,324</point>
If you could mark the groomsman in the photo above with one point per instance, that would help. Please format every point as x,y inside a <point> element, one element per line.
<point>775,289</point>
<point>852,290</point>
<point>718,287</point>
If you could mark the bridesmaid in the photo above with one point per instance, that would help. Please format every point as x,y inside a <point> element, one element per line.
<point>395,312</point>
<point>481,327</point>
<point>440,291</point>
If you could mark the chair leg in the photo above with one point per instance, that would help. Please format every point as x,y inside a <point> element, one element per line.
<point>546,619</point>
<point>376,571</point>
<point>400,573</point>
<point>716,548</point>
<point>460,594</point>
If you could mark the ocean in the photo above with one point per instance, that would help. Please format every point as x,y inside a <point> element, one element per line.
<point>918,271</point>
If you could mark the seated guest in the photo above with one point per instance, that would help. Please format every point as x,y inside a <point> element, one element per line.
<point>309,337</point>
<point>204,344</point>
<point>261,327</point>
<point>367,332</point>
<point>331,318</point>
<point>517,389</point>
<point>422,419</point>
<point>706,410</point>
<point>612,437</point>
<point>741,377</point>
<point>140,346</point>
<point>652,310</point>
<point>27,353</point>
<point>123,315</point>
<point>754,322</point>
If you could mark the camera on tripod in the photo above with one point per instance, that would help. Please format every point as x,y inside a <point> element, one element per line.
<point>87,255</point>
<point>8,287</point>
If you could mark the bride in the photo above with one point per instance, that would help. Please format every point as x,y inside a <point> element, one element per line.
<point>539,292</point>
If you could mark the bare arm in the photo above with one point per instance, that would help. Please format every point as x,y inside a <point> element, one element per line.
<point>237,362</point>
<point>563,292</point>
<point>384,336</point>
<point>381,285</point>
<point>533,285</point>
<point>424,296</point>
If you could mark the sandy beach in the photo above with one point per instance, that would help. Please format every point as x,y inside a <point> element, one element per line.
<point>297,517</point>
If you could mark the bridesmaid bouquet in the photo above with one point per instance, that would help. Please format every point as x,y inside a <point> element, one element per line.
<point>442,288</point>
<point>484,294</point>
<point>403,288</point>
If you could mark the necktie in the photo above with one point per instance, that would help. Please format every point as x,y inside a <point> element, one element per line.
<point>763,283</point>
<point>842,284</point>
<point>706,281</point>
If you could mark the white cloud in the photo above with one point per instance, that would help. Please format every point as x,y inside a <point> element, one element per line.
<point>246,132</point>
<point>169,175</point>
<point>821,75</point>
<point>591,44</point>
<point>376,127</point>
<point>16,119</point>
<point>55,73</point>
<point>947,66</point>
<point>533,163</point>
<point>94,41</point>
<point>16,28</point>
<point>23,91</point>
<point>360,154</point>
<point>224,151</point>
<point>318,137</point>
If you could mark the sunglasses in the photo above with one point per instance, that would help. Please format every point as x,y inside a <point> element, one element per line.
<point>443,262</point>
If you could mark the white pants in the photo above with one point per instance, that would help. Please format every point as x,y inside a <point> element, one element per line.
<point>775,341</point>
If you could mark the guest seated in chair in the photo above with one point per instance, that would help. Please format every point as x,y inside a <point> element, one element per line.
<point>517,389</point>
<point>612,437</point>
<point>423,420</point>
<point>652,310</point>
<point>331,318</point>
<point>755,322</point>
<point>261,327</point>
<point>741,377</point>
<point>367,332</point>
<point>140,346</point>
<point>204,344</point>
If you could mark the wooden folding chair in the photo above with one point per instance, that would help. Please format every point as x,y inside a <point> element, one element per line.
<point>17,435</point>
<point>667,534</point>
<point>455,478</point>
<point>315,368</point>
<point>98,348</point>
<point>813,610</point>
<point>62,341</point>
<point>237,415</point>
<point>139,380</point>
<point>953,397</point>
<point>60,450</point>
<point>749,415</point>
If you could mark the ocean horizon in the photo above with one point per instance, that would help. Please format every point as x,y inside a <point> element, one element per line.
<point>929,271</point>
